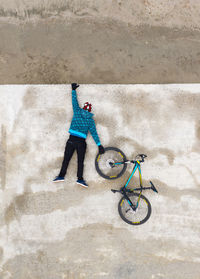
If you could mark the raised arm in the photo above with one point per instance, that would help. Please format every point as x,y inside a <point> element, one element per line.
<point>74,97</point>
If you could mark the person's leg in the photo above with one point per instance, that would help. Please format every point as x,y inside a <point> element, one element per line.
<point>69,150</point>
<point>81,149</point>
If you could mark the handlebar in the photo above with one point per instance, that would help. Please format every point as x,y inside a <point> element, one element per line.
<point>142,156</point>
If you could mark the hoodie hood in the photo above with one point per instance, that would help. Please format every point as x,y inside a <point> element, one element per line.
<point>86,114</point>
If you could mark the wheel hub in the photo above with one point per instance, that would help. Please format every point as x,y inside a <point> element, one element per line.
<point>108,163</point>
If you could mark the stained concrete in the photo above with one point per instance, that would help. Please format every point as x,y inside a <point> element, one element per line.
<point>99,41</point>
<point>63,231</point>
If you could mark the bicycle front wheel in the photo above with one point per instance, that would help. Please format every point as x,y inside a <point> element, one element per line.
<point>103,163</point>
<point>142,213</point>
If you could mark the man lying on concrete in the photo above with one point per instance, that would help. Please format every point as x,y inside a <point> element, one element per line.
<point>82,122</point>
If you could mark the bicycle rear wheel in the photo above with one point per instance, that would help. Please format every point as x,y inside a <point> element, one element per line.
<point>142,213</point>
<point>111,155</point>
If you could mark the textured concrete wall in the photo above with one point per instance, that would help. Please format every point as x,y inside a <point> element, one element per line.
<point>59,231</point>
<point>184,13</point>
<point>99,41</point>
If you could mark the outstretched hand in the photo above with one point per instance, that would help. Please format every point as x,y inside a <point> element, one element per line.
<point>74,86</point>
<point>101,149</point>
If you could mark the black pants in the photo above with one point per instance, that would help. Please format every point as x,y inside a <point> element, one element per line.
<point>78,144</point>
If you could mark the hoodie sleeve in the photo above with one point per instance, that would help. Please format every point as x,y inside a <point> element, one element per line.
<point>93,132</point>
<point>75,104</point>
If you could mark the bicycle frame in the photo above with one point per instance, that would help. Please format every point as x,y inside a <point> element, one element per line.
<point>136,166</point>
<point>124,189</point>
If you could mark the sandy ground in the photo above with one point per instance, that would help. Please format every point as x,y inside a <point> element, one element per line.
<point>99,42</point>
<point>56,231</point>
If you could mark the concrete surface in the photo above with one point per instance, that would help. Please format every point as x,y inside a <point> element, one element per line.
<point>99,41</point>
<point>62,231</point>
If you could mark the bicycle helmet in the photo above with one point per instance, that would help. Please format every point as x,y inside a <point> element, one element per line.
<point>87,106</point>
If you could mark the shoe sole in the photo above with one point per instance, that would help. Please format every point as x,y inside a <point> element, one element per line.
<point>58,181</point>
<point>82,185</point>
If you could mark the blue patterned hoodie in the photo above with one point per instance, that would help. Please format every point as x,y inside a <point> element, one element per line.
<point>82,121</point>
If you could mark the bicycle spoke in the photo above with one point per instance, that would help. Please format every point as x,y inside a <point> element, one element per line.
<point>138,216</point>
<point>104,163</point>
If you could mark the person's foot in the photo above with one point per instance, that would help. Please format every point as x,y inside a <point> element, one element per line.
<point>82,183</point>
<point>59,179</point>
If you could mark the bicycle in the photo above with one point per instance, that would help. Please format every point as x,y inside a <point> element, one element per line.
<point>134,208</point>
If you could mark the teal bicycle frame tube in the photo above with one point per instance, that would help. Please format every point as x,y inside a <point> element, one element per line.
<point>140,175</point>
<point>137,166</point>
<point>134,170</point>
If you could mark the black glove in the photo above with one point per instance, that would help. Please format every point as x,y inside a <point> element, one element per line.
<point>74,86</point>
<point>101,149</point>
